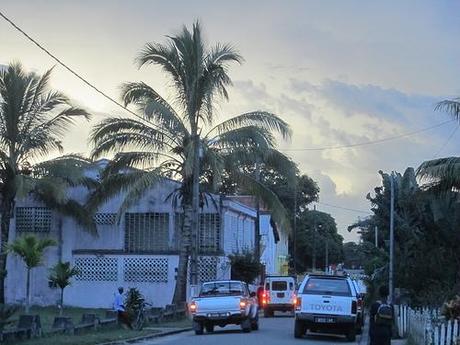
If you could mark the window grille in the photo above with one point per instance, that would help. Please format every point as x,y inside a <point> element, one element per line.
<point>105,218</point>
<point>96,269</point>
<point>207,268</point>
<point>33,219</point>
<point>152,270</point>
<point>146,232</point>
<point>209,235</point>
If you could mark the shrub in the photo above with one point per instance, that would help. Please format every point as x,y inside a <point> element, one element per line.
<point>133,302</point>
<point>451,309</point>
<point>245,266</point>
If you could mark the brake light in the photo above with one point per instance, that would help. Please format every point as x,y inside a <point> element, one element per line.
<point>265,297</point>
<point>298,303</point>
<point>294,299</point>
<point>353,307</point>
<point>243,304</point>
<point>193,307</point>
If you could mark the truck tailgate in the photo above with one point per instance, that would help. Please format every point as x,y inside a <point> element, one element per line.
<point>217,304</point>
<point>327,305</point>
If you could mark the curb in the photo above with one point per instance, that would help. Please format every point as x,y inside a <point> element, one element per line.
<point>147,337</point>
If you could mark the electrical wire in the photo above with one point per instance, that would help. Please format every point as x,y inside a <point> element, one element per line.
<point>114,101</point>
<point>344,208</point>
<point>446,142</point>
<point>71,70</point>
<point>371,142</point>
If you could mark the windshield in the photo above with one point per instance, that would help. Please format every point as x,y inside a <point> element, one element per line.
<point>222,289</point>
<point>334,287</point>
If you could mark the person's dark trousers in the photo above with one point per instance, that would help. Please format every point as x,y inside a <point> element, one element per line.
<point>380,335</point>
<point>123,318</point>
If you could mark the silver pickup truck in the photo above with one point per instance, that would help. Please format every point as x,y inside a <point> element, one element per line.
<point>221,303</point>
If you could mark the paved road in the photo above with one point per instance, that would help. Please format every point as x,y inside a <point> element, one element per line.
<point>273,331</point>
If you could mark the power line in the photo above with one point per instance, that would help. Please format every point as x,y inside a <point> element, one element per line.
<point>344,208</point>
<point>371,142</point>
<point>71,70</point>
<point>446,142</point>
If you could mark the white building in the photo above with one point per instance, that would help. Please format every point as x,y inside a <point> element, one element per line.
<point>139,251</point>
<point>274,246</point>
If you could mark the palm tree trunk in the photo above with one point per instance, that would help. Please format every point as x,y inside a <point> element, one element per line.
<point>28,292</point>
<point>61,310</point>
<point>6,207</point>
<point>180,291</point>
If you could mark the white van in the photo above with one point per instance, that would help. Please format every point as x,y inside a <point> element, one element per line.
<point>279,295</point>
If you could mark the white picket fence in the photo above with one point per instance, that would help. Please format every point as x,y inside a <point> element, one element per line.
<point>427,327</point>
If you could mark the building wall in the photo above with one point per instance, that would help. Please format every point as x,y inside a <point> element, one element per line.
<point>99,255</point>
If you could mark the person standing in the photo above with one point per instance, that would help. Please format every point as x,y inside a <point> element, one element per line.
<point>381,319</point>
<point>119,307</point>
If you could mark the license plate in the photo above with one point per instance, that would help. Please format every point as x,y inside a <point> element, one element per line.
<point>324,319</point>
<point>280,295</point>
<point>218,315</point>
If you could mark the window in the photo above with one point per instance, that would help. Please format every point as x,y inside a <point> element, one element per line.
<point>209,232</point>
<point>146,232</point>
<point>33,219</point>
<point>279,285</point>
<point>327,286</point>
<point>222,289</point>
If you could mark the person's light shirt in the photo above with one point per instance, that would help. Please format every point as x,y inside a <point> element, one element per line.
<point>118,303</point>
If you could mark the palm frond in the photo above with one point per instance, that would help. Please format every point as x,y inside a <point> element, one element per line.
<point>261,119</point>
<point>452,107</point>
<point>250,185</point>
<point>154,107</point>
<point>444,173</point>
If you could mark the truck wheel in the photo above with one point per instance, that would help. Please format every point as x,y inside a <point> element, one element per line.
<point>246,325</point>
<point>198,327</point>
<point>351,335</point>
<point>299,329</point>
<point>266,313</point>
<point>359,330</point>
<point>209,327</point>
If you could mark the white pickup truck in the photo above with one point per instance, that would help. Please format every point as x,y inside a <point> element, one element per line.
<point>221,303</point>
<point>326,304</point>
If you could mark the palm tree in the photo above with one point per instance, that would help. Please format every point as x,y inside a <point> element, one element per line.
<point>60,274</point>
<point>30,249</point>
<point>33,119</point>
<point>443,174</point>
<point>169,139</point>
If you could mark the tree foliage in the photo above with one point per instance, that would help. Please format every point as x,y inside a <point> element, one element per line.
<point>426,238</point>
<point>314,229</point>
<point>245,266</point>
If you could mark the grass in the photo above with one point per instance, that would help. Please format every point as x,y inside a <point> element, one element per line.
<point>115,333</point>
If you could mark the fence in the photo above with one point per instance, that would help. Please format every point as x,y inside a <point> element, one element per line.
<point>427,327</point>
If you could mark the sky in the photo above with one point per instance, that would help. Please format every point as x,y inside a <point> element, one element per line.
<point>338,72</point>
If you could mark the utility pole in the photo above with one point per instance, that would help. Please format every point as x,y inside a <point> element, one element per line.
<point>327,256</point>
<point>257,225</point>
<point>294,237</point>
<point>392,206</point>
<point>313,261</point>
<point>376,235</point>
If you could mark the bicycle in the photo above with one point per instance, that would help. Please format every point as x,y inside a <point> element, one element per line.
<point>140,316</point>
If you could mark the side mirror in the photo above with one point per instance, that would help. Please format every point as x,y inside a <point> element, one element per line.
<point>252,294</point>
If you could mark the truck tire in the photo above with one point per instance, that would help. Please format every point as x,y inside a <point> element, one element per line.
<point>209,327</point>
<point>351,335</point>
<point>246,325</point>
<point>198,327</point>
<point>299,329</point>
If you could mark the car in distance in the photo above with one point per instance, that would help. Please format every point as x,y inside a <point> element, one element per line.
<point>279,295</point>
<point>328,304</point>
<point>221,303</point>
